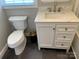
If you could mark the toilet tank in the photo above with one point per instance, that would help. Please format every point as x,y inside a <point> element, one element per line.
<point>19,22</point>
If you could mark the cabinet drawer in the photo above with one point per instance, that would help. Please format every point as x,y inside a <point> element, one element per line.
<point>66,27</point>
<point>64,36</point>
<point>62,44</point>
<point>64,40</point>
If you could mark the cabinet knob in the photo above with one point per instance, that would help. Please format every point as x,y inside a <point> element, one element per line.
<point>66,29</point>
<point>64,36</point>
<point>62,44</point>
<point>53,28</point>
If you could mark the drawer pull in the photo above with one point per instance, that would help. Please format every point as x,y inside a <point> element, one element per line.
<point>66,29</point>
<point>53,28</point>
<point>62,44</point>
<point>64,36</point>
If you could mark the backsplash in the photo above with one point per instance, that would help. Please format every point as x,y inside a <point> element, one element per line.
<point>63,5</point>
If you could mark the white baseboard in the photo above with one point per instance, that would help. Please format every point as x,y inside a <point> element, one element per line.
<point>74,53</point>
<point>3,51</point>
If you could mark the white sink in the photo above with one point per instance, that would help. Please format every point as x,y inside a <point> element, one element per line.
<point>53,15</point>
<point>63,16</point>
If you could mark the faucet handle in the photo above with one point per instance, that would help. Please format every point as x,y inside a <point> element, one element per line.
<point>59,9</point>
<point>49,9</point>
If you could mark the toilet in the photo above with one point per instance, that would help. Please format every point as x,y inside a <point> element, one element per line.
<point>16,39</point>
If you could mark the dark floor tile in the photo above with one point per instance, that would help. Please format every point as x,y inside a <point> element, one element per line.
<point>31,52</point>
<point>62,56</point>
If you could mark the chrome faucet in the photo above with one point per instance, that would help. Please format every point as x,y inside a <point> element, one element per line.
<point>55,7</point>
<point>49,9</point>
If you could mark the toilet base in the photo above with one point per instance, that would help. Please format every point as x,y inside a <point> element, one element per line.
<point>20,48</point>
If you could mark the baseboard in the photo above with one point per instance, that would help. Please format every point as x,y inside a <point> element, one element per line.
<point>3,51</point>
<point>74,53</point>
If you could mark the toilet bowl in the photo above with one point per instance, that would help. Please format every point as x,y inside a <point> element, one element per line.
<point>17,41</point>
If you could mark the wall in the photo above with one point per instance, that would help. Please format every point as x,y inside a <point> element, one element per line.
<point>5,30</point>
<point>76,5</point>
<point>31,12</point>
<point>75,46</point>
<point>76,8</point>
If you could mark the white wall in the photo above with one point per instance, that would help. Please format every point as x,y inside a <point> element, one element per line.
<point>31,12</point>
<point>5,30</point>
<point>75,46</point>
<point>76,8</point>
<point>76,39</point>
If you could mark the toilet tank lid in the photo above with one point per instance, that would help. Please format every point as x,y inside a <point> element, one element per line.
<point>15,37</point>
<point>16,18</point>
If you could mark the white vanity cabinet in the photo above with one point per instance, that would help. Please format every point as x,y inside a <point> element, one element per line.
<point>45,33</point>
<point>55,35</point>
<point>56,32</point>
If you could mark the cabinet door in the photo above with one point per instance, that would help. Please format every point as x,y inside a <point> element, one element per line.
<point>46,36</point>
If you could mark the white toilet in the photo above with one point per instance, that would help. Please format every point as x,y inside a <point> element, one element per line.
<point>17,40</point>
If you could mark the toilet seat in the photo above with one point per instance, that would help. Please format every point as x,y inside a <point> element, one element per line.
<point>16,38</point>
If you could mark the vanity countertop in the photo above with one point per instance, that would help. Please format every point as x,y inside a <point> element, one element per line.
<point>67,16</point>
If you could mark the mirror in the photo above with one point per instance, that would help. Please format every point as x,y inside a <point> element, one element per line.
<point>54,0</point>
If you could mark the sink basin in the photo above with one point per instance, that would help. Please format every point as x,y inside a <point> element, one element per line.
<point>53,15</point>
